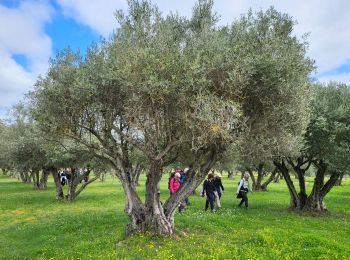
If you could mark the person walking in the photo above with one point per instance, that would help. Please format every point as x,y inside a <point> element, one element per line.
<point>218,186</point>
<point>208,191</point>
<point>243,189</point>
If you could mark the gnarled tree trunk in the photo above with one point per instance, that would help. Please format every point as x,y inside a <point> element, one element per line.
<point>25,177</point>
<point>270,179</point>
<point>294,198</point>
<point>249,170</point>
<point>313,202</point>
<point>43,180</point>
<point>339,180</point>
<point>152,216</point>
<point>155,219</point>
<point>35,176</point>
<point>260,169</point>
<point>56,178</point>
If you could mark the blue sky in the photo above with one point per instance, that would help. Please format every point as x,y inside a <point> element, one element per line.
<point>32,31</point>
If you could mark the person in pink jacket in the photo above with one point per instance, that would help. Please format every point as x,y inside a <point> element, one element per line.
<point>175,183</point>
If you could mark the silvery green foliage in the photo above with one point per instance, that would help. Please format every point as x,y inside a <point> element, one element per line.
<point>328,133</point>
<point>277,90</point>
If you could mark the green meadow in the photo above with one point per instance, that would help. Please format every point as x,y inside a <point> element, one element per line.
<point>33,225</point>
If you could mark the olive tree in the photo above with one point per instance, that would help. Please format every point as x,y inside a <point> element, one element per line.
<point>277,95</point>
<point>160,85</point>
<point>164,86</point>
<point>327,146</point>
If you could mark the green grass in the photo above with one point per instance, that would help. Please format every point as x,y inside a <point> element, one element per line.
<point>34,226</point>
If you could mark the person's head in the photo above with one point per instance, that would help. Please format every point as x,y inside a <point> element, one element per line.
<point>178,169</point>
<point>246,176</point>
<point>177,175</point>
<point>210,176</point>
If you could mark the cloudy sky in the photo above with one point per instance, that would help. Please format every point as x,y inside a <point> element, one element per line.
<point>33,31</point>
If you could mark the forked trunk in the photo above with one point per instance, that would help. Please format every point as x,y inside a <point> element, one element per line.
<point>155,219</point>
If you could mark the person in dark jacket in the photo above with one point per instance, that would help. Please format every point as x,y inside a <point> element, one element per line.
<point>208,191</point>
<point>218,184</point>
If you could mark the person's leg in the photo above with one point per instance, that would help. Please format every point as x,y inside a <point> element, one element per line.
<point>211,198</point>
<point>206,204</point>
<point>245,198</point>
<point>242,200</point>
<point>212,204</point>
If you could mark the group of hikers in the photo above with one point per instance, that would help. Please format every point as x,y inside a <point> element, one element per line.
<point>212,188</point>
<point>68,174</point>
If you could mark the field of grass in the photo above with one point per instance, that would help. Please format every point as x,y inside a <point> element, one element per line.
<point>34,226</point>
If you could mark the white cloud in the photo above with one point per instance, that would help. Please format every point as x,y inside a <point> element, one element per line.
<point>99,15</point>
<point>22,32</point>
<point>343,77</point>
<point>326,21</point>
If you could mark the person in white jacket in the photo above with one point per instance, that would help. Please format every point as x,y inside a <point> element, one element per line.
<point>243,189</point>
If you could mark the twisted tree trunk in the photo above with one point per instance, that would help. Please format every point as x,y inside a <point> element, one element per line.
<point>294,198</point>
<point>339,180</point>
<point>249,170</point>
<point>260,169</point>
<point>43,180</point>
<point>270,179</point>
<point>35,176</point>
<point>313,202</point>
<point>56,178</point>
<point>152,216</point>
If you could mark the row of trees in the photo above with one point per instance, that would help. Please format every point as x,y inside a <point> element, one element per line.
<point>171,89</point>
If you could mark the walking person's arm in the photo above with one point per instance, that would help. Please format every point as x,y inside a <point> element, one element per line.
<point>239,186</point>
<point>250,189</point>
<point>220,183</point>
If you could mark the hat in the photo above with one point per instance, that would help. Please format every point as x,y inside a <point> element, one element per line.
<point>177,175</point>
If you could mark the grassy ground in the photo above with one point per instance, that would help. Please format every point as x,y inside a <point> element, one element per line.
<point>34,226</point>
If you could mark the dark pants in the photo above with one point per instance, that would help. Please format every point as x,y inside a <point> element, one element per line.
<point>210,199</point>
<point>219,193</point>
<point>244,198</point>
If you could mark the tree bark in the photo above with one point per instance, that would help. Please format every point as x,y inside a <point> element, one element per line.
<point>260,168</point>
<point>300,173</point>
<point>59,190</point>
<point>269,180</point>
<point>136,175</point>
<point>43,180</point>
<point>155,219</point>
<point>249,170</point>
<point>73,184</point>
<point>25,177</point>
<point>35,175</point>
<point>340,180</point>
<point>294,198</point>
